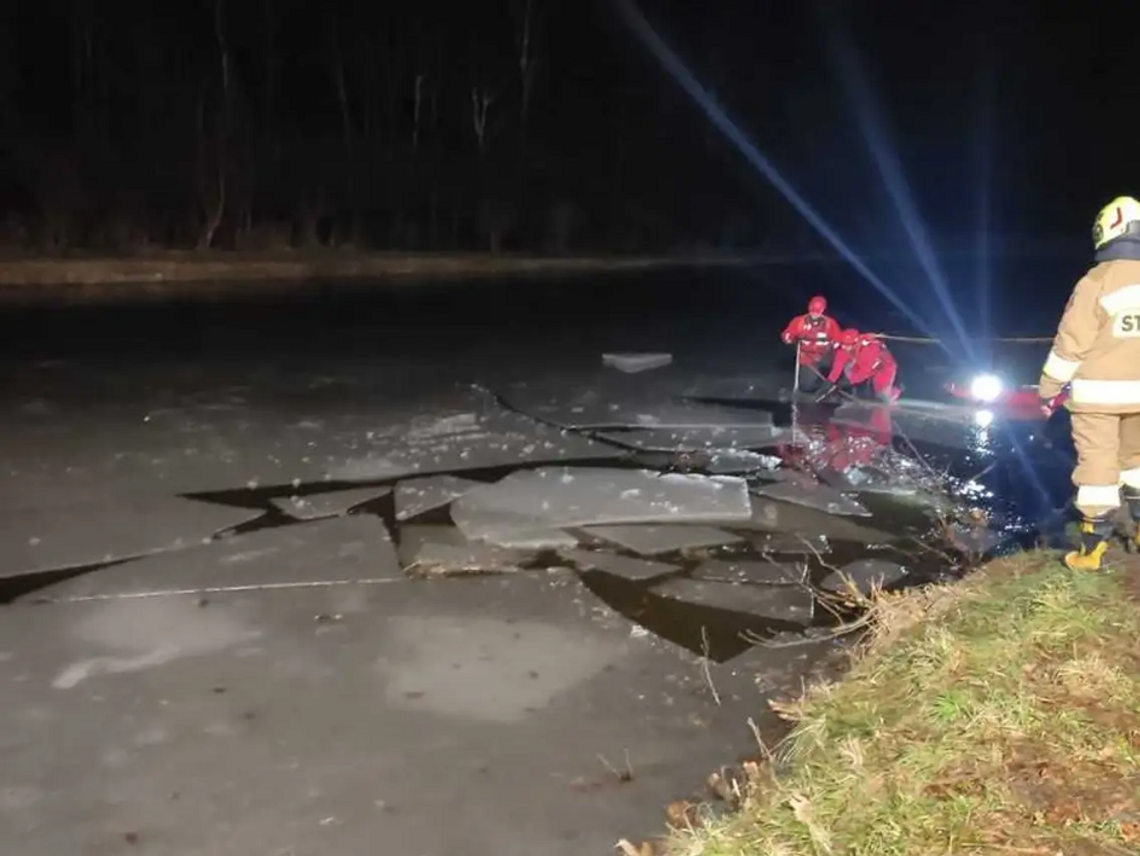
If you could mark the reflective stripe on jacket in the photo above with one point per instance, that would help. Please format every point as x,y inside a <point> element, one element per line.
<point>1097,346</point>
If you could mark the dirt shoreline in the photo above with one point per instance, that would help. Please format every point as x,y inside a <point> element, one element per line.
<point>184,274</point>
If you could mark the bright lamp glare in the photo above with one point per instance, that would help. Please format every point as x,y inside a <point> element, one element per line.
<point>985,388</point>
<point>983,419</point>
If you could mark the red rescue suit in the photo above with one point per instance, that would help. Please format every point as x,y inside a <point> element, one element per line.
<point>867,360</point>
<point>816,337</point>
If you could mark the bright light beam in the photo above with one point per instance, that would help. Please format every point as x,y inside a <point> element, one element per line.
<point>872,126</point>
<point>985,179</point>
<point>688,81</point>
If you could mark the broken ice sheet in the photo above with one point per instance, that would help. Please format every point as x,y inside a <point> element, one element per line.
<point>787,604</point>
<point>650,540</point>
<point>329,504</point>
<point>732,461</point>
<point>819,496</point>
<point>530,538</point>
<point>561,497</point>
<point>105,526</point>
<point>337,549</point>
<point>613,406</point>
<point>484,435</point>
<point>620,566</point>
<point>632,363</point>
<point>750,571</point>
<point>437,559</point>
<point>790,542</point>
<point>786,519</point>
<point>865,575</point>
<point>698,438</point>
<point>415,496</point>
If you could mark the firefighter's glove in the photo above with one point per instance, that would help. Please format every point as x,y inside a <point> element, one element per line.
<point>1049,406</point>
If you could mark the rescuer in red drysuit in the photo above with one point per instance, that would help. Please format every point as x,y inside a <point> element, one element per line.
<point>816,334</point>
<point>864,358</point>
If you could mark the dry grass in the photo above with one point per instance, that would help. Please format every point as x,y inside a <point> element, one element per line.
<point>997,715</point>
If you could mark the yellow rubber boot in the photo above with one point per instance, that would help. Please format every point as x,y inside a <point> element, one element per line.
<point>1093,545</point>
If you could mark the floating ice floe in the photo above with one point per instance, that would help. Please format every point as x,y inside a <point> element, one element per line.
<point>620,566</point>
<point>561,497</point>
<point>652,540</point>
<point>416,496</point>
<point>632,363</point>
<point>787,604</point>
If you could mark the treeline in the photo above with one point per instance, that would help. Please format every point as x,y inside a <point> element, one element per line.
<point>265,124</point>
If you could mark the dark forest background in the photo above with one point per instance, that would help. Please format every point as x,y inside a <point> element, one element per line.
<point>264,124</point>
<point>544,125</point>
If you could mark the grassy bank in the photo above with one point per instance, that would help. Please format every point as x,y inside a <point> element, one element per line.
<point>998,715</point>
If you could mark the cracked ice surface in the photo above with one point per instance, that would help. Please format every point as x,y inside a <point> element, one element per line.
<point>482,434</point>
<point>654,540</point>
<point>559,497</point>
<point>748,571</point>
<point>95,526</point>
<point>343,548</point>
<point>624,405</point>
<point>818,496</point>
<point>697,438</point>
<point>620,566</point>
<point>330,504</point>
<point>790,604</point>
<point>440,558</point>
<point>415,496</point>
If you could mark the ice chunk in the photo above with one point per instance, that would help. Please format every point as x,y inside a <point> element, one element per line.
<point>560,497</point>
<point>435,559</point>
<point>413,536</point>
<point>631,363</point>
<point>654,540</point>
<point>776,603</point>
<point>757,573</point>
<point>732,461</point>
<point>790,542</point>
<point>865,574</point>
<point>530,538</point>
<point>786,518</point>
<point>330,504</point>
<point>697,438</point>
<point>818,496</point>
<point>620,566</point>
<point>482,434</point>
<point>415,496</point>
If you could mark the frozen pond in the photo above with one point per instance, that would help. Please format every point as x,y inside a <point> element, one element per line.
<point>440,569</point>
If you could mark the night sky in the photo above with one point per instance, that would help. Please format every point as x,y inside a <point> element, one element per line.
<point>117,124</point>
